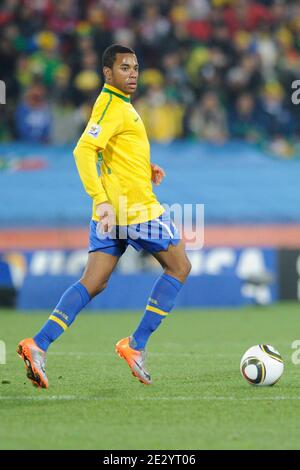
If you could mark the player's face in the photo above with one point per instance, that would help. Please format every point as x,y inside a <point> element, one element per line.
<point>124,73</point>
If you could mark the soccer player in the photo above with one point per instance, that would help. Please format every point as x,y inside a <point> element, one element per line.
<point>125,212</point>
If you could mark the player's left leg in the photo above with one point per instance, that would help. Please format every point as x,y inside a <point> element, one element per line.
<point>161,301</point>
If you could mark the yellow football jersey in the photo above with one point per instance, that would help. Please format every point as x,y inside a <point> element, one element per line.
<point>116,139</point>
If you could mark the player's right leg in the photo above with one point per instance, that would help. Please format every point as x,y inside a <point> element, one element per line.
<point>100,265</point>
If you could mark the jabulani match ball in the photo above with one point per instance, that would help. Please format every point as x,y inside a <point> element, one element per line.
<point>262,365</point>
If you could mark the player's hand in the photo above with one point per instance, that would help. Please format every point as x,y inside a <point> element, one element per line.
<point>107,217</point>
<point>158,174</point>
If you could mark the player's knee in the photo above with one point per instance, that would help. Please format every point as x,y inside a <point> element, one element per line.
<point>94,288</point>
<point>99,288</point>
<point>182,271</point>
<point>186,269</point>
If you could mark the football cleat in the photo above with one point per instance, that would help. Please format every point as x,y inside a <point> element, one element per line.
<point>34,359</point>
<point>135,359</point>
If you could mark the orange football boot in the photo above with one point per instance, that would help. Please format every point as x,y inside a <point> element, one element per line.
<point>34,359</point>
<point>135,359</point>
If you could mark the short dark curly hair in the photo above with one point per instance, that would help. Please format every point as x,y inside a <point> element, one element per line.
<point>109,55</point>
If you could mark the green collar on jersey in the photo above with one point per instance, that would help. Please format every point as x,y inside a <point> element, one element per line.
<point>124,98</point>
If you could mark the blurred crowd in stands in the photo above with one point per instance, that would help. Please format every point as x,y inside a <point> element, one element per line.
<point>209,70</point>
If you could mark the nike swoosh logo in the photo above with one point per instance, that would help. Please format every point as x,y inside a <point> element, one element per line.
<point>136,119</point>
<point>137,364</point>
<point>142,370</point>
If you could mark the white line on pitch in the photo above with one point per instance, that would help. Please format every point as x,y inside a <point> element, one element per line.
<point>167,353</point>
<point>73,353</point>
<point>176,398</point>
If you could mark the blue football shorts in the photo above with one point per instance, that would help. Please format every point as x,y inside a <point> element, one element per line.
<point>153,236</point>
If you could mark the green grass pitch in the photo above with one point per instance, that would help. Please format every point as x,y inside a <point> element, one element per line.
<point>198,399</point>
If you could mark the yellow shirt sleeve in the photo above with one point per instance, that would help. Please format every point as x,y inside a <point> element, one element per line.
<point>106,121</point>
<point>86,162</point>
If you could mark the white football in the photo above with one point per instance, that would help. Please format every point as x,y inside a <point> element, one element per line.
<point>262,365</point>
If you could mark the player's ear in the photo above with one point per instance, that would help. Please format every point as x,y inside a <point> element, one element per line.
<point>107,72</point>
